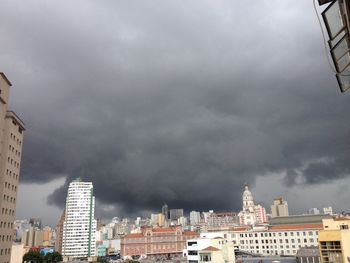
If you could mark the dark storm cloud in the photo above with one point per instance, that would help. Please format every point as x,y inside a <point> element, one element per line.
<point>173,101</point>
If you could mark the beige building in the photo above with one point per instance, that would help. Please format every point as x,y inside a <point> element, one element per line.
<point>32,237</point>
<point>17,253</point>
<point>279,207</point>
<point>334,240</point>
<point>11,138</point>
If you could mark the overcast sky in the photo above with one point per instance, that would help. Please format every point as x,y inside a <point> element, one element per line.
<point>174,101</point>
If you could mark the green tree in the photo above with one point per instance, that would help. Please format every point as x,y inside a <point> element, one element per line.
<point>53,257</point>
<point>32,257</point>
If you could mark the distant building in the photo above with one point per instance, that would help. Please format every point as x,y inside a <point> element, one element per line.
<point>328,210</point>
<point>195,217</point>
<point>158,219</point>
<point>79,227</point>
<point>32,237</point>
<point>251,214</point>
<point>35,222</point>
<point>20,226</point>
<point>279,207</point>
<point>175,214</point>
<point>156,242</point>
<point>334,240</point>
<point>217,220</point>
<point>182,221</point>
<point>313,211</point>
<point>59,233</point>
<point>11,141</point>
<point>165,211</point>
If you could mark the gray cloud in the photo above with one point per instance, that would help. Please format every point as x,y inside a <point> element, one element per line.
<point>173,101</point>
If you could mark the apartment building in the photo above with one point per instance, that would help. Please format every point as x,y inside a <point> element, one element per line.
<point>79,226</point>
<point>11,140</point>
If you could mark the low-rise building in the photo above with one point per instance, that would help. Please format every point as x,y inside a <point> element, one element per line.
<point>156,241</point>
<point>308,255</point>
<point>210,249</point>
<point>334,240</point>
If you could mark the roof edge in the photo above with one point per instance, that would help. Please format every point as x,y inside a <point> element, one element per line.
<point>5,78</point>
<point>13,115</point>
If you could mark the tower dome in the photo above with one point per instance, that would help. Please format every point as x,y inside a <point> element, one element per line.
<point>247,198</point>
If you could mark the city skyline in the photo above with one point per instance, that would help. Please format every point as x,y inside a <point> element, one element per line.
<point>161,102</point>
<point>53,219</point>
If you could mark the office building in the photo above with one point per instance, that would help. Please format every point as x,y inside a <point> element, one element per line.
<point>334,240</point>
<point>79,227</point>
<point>279,207</point>
<point>11,140</point>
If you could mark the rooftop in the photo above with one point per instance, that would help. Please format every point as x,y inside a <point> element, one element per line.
<point>298,219</point>
<point>2,74</point>
<point>211,248</point>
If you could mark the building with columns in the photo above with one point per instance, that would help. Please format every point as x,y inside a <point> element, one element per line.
<point>156,242</point>
<point>11,141</point>
<point>251,214</point>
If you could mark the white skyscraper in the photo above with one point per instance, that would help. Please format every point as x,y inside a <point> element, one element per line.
<point>79,227</point>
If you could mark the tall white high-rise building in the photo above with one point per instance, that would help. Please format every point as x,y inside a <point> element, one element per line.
<point>79,227</point>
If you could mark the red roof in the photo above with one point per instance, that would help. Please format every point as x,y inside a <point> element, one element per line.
<point>240,228</point>
<point>190,233</point>
<point>133,235</point>
<point>299,226</point>
<point>211,249</point>
<point>164,229</point>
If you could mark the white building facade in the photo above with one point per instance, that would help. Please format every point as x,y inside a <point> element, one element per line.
<point>212,248</point>
<point>283,240</point>
<point>79,227</point>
